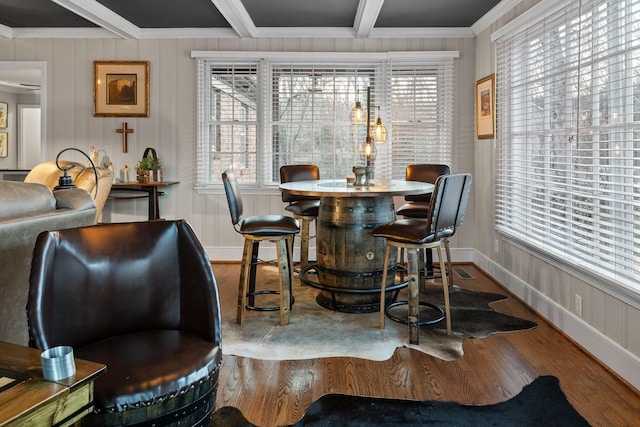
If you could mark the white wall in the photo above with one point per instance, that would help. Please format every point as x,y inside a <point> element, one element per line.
<point>606,326</point>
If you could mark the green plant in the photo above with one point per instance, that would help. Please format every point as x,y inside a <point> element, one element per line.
<point>146,163</point>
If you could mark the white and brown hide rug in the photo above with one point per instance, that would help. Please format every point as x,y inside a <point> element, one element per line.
<point>315,332</point>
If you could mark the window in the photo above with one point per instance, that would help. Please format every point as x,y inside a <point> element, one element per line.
<point>568,103</point>
<point>256,114</point>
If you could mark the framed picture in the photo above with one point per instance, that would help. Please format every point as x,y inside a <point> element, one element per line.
<point>4,144</point>
<point>485,107</point>
<point>121,88</point>
<point>4,114</point>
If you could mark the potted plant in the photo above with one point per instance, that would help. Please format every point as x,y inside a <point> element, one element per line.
<point>149,168</point>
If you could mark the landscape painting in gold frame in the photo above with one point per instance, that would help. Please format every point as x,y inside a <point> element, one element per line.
<point>121,88</point>
<point>485,107</point>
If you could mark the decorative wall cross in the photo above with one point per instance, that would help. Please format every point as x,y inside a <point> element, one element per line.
<point>124,131</point>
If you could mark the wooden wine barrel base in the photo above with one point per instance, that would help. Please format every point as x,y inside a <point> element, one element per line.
<point>193,407</point>
<point>348,256</point>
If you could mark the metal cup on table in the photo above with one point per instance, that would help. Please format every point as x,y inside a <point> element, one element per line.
<point>57,363</point>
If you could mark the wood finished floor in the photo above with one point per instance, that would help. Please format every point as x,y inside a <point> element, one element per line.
<point>493,369</point>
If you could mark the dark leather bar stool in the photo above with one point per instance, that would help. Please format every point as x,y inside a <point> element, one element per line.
<point>303,208</point>
<point>417,205</point>
<point>446,212</point>
<point>278,229</point>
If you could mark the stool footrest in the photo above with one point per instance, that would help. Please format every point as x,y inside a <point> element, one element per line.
<point>439,313</point>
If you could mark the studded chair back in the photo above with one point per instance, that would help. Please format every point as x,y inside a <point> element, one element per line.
<point>234,198</point>
<point>291,173</point>
<point>447,209</point>
<point>424,172</point>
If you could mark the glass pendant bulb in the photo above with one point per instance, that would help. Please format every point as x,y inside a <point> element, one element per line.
<point>379,131</point>
<point>358,115</point>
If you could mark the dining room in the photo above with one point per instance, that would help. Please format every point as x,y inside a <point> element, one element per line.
<point>253,94</point>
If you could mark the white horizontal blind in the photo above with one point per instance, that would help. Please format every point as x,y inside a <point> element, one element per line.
<point>421,114</point>
<point>568,99</point>
<point>228,123</point>
<point>310,119</point>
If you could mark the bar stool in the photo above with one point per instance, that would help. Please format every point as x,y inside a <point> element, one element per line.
<point>417,205</point>
<point>278,229</point>
<point>446,212</point>
<point>303,208</point>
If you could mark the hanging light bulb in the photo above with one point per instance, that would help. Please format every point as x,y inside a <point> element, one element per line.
<point>358,114</point>
<point>368,151</point>
<point>379,130</point>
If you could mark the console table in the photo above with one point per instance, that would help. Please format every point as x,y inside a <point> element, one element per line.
<point>151,190</point>
<point>27,399</point>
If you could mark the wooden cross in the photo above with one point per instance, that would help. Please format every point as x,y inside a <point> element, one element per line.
<point>124,131</point>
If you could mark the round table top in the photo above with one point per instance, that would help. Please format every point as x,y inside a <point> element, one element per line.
<point>340,188</point>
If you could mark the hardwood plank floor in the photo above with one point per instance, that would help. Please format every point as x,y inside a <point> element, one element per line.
<point>493,369</point>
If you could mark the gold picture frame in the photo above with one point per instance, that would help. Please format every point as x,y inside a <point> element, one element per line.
<point>485,107</point>
<point>4,144</point>
<point>121,88</point>
<point>4,115</point>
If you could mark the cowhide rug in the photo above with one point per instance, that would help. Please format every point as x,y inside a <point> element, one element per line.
<point>314,331</point>
<point>541,403</point>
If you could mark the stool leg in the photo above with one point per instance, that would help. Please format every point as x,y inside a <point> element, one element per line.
<point>304,242</point>
<point>413,255</point>
<point>387,254</point>
<point>445,287</point>
<point>449,261</point>
<point>253,273</point>
<point>429,265</point>
<point>286,278</point>
<point>245,272</point>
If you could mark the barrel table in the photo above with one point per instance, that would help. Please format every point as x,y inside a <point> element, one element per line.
<point>350,261</point>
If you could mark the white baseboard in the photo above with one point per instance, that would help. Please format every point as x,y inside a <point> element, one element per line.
<point>603,348</point>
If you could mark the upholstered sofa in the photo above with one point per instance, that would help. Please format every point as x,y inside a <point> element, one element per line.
<point>26,210</point>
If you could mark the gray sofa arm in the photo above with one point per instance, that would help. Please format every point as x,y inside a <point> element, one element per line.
<point>73,198</point>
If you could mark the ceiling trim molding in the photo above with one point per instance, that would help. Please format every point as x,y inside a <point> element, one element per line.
<point>188,33</point>
<point>493,15</point>
<point>63,33</point>
<point>319,57</point>
<point>366,17</point>
<point>102,16</point>
<point>236,14</point>
<point>422,33</point>
<point>304,32</point>
<point>6,32</point>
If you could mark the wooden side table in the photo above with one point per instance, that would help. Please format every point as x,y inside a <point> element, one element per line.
<point>26,398</point>
<point>150,188</point>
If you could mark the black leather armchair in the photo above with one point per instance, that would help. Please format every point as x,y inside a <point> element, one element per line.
<point>142,299</point>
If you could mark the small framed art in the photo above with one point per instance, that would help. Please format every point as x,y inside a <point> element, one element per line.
<point>485,107</point>
<point>4,114</point>
<point>121,89</point>
<point>4,144</point>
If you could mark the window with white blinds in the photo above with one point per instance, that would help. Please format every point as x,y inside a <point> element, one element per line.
<point>255,116</point>
<point>568,114</point>
<point>421,114</point>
